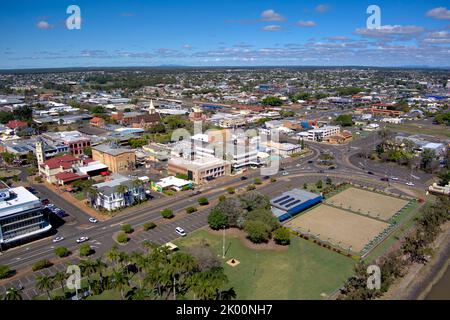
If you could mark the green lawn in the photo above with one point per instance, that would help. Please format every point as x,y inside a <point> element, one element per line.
<point>414,128</point>
<point>406,220</point>
<point>304,271</point>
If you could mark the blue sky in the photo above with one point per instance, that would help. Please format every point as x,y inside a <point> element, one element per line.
<point>223,32</point>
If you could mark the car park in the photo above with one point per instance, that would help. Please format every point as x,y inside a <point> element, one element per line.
<point>180,231</point>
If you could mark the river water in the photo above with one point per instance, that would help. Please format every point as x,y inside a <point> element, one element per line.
<point>441,290</point>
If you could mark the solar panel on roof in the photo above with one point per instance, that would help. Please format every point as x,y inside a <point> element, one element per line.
<point>281,199</point>
<point>286,201</point>
<point>293,203</point>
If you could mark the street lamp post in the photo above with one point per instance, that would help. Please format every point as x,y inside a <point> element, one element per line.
<point>223,244</point>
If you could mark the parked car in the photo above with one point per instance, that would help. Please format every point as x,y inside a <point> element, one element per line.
<point>244,178</point>
<point>384,179</point>
<point>58,239</point>
<point>394,178</point>
<point>45,202</point>
<point>180,231</point>
<point>82,239</point>
<point>93,220</point>
<point>370,172</point>
<point>410,184</point>
<point>310,161</point>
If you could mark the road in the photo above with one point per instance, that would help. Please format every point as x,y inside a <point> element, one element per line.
<point>295,172</point>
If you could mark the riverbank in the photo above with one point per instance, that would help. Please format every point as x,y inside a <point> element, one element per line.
<point>420,279</point>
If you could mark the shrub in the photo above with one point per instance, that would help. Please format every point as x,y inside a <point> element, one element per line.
<point>257,181</point>
<point>257,231</point>
<point>203,201</point>
<point>273,179</point>
<point>190,210</point>
<point>127,228</point>
<point>167,214</point>
<point>5,272</point>
<point>41,264</point>
<point>251,187</point>
<point>122,237</point>
<point>38,179</point>
<point>149,226</point>
<point>231,190</point>
<point>282,236</point>
<point>217,220</point>
<point>86,250</point>
<point>62,252</point>
<point>222,198</point>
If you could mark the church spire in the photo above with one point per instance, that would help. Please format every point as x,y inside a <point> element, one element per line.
<point>151,109</point>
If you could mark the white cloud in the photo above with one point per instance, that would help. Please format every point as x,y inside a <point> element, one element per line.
<point>308,23</point>
<point>441,13</point>
<point>271,15</point>
<point>271,28</point>
<point>338,38</point>
<point>321,8</point>
<point>389,31</point>
<point>44,25</point>
<point>187,46</point>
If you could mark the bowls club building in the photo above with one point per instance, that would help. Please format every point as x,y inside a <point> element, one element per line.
<point>292,202</point>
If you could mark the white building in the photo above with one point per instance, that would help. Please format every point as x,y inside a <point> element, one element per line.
<point>321,134</point>
<point>110,197</point>
<point>21,216</point>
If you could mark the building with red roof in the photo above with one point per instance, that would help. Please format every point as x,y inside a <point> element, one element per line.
<point>51,167</point>
<point>16,124</point>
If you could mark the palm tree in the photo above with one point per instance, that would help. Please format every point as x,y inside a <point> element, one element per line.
<point>181,265</point>
<point>120,279</point>
<point>113,255</point>
<point>92,194</point>
<point>60,277</point>
<point>123,190</point>
<point>88,268</point>
<point>45,283</point>
<point>13,294</point>
<point>100,267</point>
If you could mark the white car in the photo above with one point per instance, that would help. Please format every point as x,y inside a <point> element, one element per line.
<point>180,231</point>
<point>394,178</point>
<point>58,239</point>
<point>82,239</point>
<point>93,220</point>
<point>410,184</point>
<point>285,173</point>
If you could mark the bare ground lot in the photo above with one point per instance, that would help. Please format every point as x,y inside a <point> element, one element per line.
<point>339,227</point>
<point>367,202</point>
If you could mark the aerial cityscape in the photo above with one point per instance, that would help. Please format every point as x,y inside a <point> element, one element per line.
<point>224,151</point>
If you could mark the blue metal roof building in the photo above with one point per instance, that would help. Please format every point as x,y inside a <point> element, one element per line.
<point>293,202</point>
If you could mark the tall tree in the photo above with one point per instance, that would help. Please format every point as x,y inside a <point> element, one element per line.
<point>45,283</point>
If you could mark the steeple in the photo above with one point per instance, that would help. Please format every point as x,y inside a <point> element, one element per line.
<point>151,109</point>
<point>40,152</point>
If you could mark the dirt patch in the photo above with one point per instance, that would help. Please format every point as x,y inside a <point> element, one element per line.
<point>242,236</point>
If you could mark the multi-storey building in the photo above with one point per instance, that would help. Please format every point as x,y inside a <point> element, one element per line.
<point>21,216</point>
<point>321,134</point>
<point>111,196</point>
<point>117,159</point>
